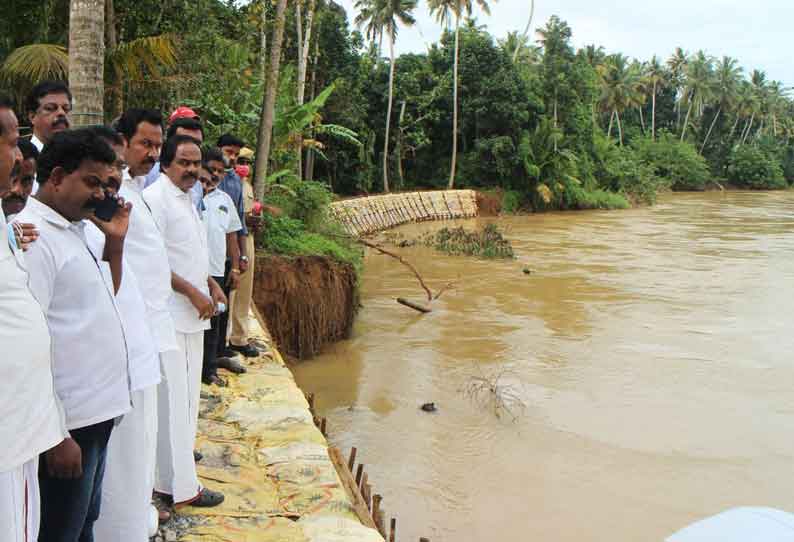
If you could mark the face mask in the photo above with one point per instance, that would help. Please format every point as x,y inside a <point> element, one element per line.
<point>242,171</point>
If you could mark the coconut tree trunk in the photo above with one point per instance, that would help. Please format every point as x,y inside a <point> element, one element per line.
<point>87,61</point>
<point>388,114</point>
<point>620,128</point>
<point>713,122</point>
<point>455,104</point>
<point>733,128</point>
<point>263,43</point>
<point>269,102</point>
<point>611,120</point>
<point>642,120</point>
<point>526,30</point>
<point>111,42</point>
<point>303,62</point>
<point>686,120</point>
<point>400,145</point>
<point>309,175</point>
<point>653,113</point>
<point>749,127</point>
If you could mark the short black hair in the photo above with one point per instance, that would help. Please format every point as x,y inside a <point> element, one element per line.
<point>227,140</point>
<point>42,89</point>
<point>187,124</point>
<point>210,154</point>
<point>127,124</point>
<point>69,148</point>
<point>171,145</point>
<point>108,134</point>
<point>28,149</point>
<point>5,103</point>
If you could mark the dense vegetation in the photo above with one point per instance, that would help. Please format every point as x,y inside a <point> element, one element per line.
<point>550,126</point>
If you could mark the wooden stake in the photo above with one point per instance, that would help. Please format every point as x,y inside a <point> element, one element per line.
<point>393,531</point>
<point>359,474</point>
<point>414,306</point>
<point>376,512</point>
<point>351,488</point>
<point>423,539</point>
<point>322,427</point>
<point>352,461</point>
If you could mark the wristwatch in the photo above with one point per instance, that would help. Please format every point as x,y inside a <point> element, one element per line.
<point>244,259</point>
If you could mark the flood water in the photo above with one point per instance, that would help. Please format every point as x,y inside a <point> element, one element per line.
<point>653,350</point>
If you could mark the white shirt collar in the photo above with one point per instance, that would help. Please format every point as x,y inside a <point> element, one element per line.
<point>38,143</point>
<point>50,215</point>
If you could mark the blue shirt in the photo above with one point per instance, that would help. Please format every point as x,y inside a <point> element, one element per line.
<point>233,186</point>
<point>196,193</point>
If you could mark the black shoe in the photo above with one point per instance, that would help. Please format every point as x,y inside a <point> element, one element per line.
<point>208,498</point>
<point>247,350</point>
<point>214,379</point>
<point>197,456</point>
<point>227,353</point>
<point>231,365</point>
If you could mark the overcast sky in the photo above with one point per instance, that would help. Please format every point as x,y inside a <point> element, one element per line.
<point>758,33</point>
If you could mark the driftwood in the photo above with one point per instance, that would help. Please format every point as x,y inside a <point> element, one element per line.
<point>415,306</point>
<point>402,261</point>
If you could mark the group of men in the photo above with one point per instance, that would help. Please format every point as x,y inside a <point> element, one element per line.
<point>119,249</point>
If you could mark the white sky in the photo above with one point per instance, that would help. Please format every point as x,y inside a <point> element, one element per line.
<point>758,33</point>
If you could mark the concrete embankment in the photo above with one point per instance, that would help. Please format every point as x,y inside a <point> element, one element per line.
<point>361,216</point>
<point>263,450</point>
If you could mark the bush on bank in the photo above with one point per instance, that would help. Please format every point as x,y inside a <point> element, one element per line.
<point>750,166</point>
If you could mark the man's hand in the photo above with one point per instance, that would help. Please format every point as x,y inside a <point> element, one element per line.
<point>25,234</point>
<point>116,229</point>
<point>253,222</point>
<point>203,304</point>
<point>65,460</point>
<point>234,279</point>
<point>217,294</point>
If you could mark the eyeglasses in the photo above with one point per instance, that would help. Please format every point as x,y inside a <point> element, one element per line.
<point>51,108</point>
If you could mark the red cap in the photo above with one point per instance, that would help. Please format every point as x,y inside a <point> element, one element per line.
<point>182,112</point>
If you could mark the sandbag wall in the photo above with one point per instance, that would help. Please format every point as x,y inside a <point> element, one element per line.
<point>361,216</point>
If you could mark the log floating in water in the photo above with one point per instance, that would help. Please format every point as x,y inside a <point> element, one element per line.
<point>414,306</point>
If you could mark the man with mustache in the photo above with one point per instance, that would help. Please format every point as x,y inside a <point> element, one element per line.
<point>195,300</point>
<point>32,420</point>
<point>49,106</point>
<point>22,182</point>
<point>77,288</point>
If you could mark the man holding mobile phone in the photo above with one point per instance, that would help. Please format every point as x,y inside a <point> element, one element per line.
<point>76,288</point>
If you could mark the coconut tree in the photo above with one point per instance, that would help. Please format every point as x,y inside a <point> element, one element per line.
<point>445,11</point>
<point>269,102</point>
<point>677,64</point>
<point>384,16</point>
<point>87,60</point>
<point>620,89</point>
<point>698,86</point>
<point>727,77</point>
<point>526,30</point>
<point>656,78</point>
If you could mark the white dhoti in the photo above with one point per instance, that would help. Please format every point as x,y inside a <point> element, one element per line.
<point>178,407</point>
<point>129,473</point>
<point>19,503</point>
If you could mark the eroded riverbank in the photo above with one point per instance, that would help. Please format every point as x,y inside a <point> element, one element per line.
<point>651,350</point>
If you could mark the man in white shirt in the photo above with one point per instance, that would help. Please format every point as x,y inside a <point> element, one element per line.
<point>32,421</point>
<point>220,217</point>
<point>127,513</point>
<point>49,106</point>
<point>77,288</point>
<point>196,296</point>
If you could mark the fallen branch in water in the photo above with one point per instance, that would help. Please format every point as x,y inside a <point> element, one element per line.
<point>491,391</point>
<point>402,261</point>
<point>414,306</point>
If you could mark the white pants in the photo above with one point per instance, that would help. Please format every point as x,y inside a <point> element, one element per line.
<point>177,408</point>
<point>19,503</point>
<point>129,473</point>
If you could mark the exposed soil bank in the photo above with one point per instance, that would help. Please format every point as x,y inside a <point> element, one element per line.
<point>306,301</point>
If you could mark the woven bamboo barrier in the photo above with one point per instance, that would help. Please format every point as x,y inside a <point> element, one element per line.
<point>362,216</point>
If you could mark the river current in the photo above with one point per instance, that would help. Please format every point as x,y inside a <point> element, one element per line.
<point>652,349</point>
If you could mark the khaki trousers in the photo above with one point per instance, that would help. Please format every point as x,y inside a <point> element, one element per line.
<point>241,298</point>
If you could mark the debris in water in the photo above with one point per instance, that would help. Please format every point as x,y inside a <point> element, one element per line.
<point>527,271</point>
<point>429,407</point>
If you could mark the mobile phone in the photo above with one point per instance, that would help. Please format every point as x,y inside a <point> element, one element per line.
<point>107,208</point>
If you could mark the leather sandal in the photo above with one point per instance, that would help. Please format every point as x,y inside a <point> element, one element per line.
<point>207,498</point>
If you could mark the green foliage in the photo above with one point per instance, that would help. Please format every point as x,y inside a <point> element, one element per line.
<point>678,163</point>
<point>750,167</point>
<point>289,236</point>
<point>511,201</point>
<point>576,197</point>
<point>485,243</point>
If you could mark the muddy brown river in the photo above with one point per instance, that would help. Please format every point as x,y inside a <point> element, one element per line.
<point>653,350</point>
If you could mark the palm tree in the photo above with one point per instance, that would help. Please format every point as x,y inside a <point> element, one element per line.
<point>526,29</point>
<point>698,86</point>
<point>677,64</point>
<point>728,74</point>
<point>386,14</point>
<point>87,60</point>
<point>269,102</point>
<point>620,89</point>
<point>444,11</point>
<point>656,79</point>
